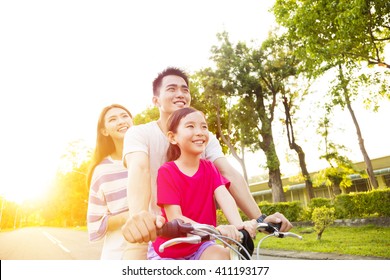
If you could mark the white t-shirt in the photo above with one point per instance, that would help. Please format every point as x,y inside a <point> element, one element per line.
<point>150,139</point>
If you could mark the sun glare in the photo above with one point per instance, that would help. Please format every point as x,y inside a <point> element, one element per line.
<point>22,185</point>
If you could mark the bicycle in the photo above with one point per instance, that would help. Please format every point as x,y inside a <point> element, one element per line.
<point>180,232</point>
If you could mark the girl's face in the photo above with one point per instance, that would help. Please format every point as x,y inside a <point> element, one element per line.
<point>116,122</point>
<point>192,134</point>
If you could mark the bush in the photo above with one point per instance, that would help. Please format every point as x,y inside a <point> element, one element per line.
<point>322,218</point>
<point>363,204</point>
<point>291,210</point>
<point>314,203</point>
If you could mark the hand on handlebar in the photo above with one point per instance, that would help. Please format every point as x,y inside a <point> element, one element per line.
<point>251,228</point>
<point>279,219</point>
<point>142,227</point>
<point>229,231</point>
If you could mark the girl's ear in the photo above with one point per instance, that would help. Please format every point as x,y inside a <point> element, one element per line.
<point>171,138</point>
<point>104,132</point>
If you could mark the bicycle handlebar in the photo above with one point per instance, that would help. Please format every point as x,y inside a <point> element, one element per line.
<point>177,231</point>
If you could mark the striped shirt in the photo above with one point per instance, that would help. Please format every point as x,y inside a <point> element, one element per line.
<point>107,197</point>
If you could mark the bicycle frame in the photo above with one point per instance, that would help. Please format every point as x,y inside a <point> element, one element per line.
<point>180,232</point>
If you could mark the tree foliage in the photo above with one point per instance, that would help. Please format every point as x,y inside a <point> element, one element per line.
<point>355,30</point>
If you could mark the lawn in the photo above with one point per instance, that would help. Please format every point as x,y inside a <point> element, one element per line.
<point>363,241</point>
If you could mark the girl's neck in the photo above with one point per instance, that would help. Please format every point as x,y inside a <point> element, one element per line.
<point>188,164</point>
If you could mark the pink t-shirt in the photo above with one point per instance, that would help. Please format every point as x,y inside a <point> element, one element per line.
<point>194,194</point>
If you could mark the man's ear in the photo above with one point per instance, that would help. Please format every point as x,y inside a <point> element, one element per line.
<point>171,138</point>
<point>155,100</point>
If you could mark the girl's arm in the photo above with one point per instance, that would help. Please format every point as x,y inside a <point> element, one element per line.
<point>174,212</point>
<point>228,206</point>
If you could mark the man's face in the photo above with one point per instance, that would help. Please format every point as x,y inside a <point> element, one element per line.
<point>174,94</point>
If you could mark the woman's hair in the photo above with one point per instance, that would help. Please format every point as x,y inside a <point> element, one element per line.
<point>173,152</point>
<point>104,144</point>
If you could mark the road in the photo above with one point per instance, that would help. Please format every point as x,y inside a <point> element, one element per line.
<point>46,243</point>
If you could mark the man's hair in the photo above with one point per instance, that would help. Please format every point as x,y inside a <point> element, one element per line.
<point>167,72</point>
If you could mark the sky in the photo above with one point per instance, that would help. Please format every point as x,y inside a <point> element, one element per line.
<point>61,62</point>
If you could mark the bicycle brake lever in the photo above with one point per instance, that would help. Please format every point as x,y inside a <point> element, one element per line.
<point>190,239</point>
<point>272,227</point>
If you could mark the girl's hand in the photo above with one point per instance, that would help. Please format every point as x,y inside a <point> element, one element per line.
<point>250,227</point>
<point>229,231</point>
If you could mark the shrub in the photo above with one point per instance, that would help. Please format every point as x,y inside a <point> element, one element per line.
<point>291,210</point>
<point>314,203</point>
<point>363,204</point>
<point>322,218</point>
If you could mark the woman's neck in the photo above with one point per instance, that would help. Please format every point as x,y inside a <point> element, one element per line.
<point>117,154</point>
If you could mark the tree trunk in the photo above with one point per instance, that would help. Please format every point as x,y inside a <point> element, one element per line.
<point>369,169</point>
<point>305,173</point>
<point>367,160</point>
<point>226,140</point>
<point>273,164</point>
<point>298,149</point>
<point>275,183</point>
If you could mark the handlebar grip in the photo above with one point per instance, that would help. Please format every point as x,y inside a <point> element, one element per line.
<point>174,228</point>
<point>272,227</point>
<point>248,244</point>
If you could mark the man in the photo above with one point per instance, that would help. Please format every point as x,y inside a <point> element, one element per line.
<point>144,152</point>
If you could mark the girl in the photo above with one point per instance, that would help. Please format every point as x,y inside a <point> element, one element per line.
<point>107,177</point>
<point>187,185</point>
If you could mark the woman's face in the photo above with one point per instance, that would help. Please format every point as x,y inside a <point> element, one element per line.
<point>116,122</point>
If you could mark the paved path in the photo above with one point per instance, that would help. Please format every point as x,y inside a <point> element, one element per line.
<point>313,255</point>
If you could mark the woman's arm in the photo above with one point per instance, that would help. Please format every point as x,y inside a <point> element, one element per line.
<point>117,221</point>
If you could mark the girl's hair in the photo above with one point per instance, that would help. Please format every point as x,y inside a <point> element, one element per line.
<point>173,152</point>
<point>104,144</point>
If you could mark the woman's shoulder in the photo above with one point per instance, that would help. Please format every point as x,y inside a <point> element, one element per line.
<point>108,165</point>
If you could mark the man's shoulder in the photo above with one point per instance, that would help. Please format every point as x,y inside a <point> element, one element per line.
<point>143,130</point>
<point>150,126</point>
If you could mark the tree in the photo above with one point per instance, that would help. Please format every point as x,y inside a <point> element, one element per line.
<point>223,116</point>
<point>339,35</point>
<point>337,176</point>
<point>255,77</point>
<point>148,115</point>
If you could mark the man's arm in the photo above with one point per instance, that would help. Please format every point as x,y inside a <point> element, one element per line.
<point>238,188</point>
<point>138,184</point>
<point>240,191</point>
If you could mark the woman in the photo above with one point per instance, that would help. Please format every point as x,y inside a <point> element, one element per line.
<point>107,178</point>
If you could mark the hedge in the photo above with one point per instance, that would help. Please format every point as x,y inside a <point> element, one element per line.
<point>374,203</point>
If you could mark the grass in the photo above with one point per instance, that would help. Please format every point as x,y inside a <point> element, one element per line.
<point>367,240</point>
